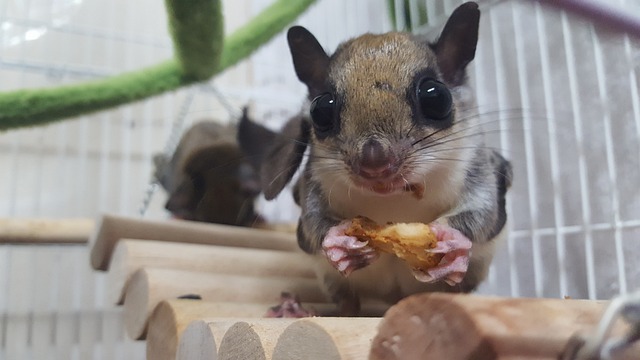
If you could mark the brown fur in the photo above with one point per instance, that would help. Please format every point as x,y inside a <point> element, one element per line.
<point>208,178</point>
<point>373,81</point>
<point>374,75</point>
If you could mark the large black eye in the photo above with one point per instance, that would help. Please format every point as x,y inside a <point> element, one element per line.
<point>323,112</point>
<point>434,99</point>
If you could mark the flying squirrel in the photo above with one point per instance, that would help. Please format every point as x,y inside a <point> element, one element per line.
<point>391,134</point>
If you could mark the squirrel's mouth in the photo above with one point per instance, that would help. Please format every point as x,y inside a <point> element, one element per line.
<point>393,185</point>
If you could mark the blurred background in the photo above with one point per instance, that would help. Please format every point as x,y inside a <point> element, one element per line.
<point>558,94</point>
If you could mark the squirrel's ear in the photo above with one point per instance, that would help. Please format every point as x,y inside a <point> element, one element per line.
<point>456,46</point>
<point>254,140</point>
<point>284,156</point>
<point>310,60</point>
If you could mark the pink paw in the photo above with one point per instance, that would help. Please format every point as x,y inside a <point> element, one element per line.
<point>456,249</point>
<point>346,253</point>
<point>289,307</point>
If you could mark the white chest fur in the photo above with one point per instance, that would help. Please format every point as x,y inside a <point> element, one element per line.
<point>441,193</point>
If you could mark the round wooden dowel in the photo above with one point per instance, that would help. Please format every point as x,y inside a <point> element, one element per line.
<point>131,255</point>
<point>149,286</point>
<point>201,339</point>
<point>110,229</point>
<point>446,326</point>
<point>252,340</point>
<point>45,231</point>
<point>326,338</point>
<point>170,318</point>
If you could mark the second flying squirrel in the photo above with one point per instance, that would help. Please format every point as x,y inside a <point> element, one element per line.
<point>208,178</point>
<point>393,136</point>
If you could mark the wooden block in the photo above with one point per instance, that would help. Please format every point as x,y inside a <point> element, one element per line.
<point>110,229</point>
<point>326,338</point>
<point>45,231</point>
<point>131,255</point>
<point>149,286</point>
<point>446,326</point>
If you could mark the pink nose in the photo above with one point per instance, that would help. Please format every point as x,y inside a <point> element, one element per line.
<point>375,162</point>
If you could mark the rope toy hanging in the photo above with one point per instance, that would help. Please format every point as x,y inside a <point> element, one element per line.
<point>201,51</point>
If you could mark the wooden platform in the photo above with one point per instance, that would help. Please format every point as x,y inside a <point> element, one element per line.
<point>201,297</point>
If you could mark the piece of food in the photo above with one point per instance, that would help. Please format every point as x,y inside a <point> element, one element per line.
<point>408,241</point>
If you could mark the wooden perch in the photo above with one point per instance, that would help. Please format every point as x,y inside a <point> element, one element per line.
<point>326,338</point>
<point>131,255</point>
<point>201,339</point>
<point>170,318</point>
<point>45,231</point>
<point>112,228</point>
<point>149,286</point>
<point>445,326</point>
<point>252,340</point>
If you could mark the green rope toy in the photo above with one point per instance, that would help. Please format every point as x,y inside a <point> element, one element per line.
<point>201,51</point>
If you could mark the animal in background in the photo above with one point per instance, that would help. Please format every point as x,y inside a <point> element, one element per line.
<point>208,178</point>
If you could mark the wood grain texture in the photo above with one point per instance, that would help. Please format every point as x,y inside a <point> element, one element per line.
<point>201,339</point>
<point>45,231</point>
<point>111,228</point>
<point>149,286</point>
<point>445,326</point>
<point>131,255</point>
<point>170,318</point>
<point>252,339</point>
<point>326,338</point>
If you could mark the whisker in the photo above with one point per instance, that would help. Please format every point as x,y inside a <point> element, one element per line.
<point>467,128</point>
<point>458,148</point>
<point>428,136</point>
<point>436,159</point>
<point>520,110</point>
<point>243,209</point>
<point>478,133</point>
<point>455,132</point>
<point>447,140</point>
<point>413,124</point>
<point>287,168</point>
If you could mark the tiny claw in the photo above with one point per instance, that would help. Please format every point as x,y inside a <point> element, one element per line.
<point>422,276</point>
<point>335,254</point>
<point>355,244</point>
<point>454,279</point>
<point>450,282</point>
<point>343,265</point>
<point>346,253</point>
<point>449,239</point>
<point>451,269</point>
<point>343,241</point>
<point>447,246</point>
<point>350,264</point>
<point>454,264</point>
